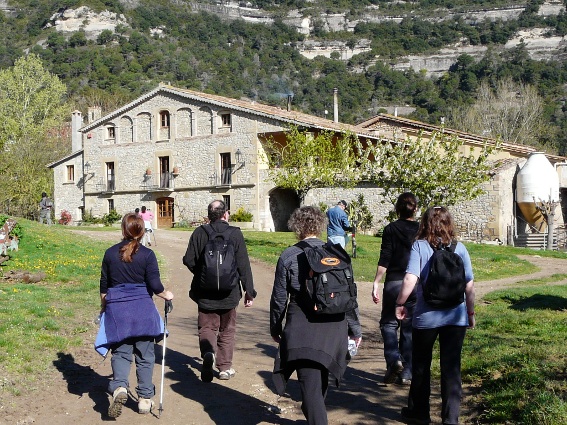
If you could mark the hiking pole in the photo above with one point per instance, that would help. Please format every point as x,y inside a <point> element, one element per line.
<point>354,239</point>
<point>168,308</point>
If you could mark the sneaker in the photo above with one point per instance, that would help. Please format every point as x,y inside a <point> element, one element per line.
<point>145,405</point>
<point>410,416</point>
<point>225,375</point>
<point>208,365</point>
<point>403,381</point>
<point>119,398</point>
<point>392,372</point>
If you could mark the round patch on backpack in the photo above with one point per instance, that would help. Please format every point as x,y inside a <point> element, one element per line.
<point>330,261</point>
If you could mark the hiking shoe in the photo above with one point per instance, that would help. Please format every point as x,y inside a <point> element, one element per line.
<point>119,398</point>
<point>145,405</point>
<point>208,365</point>
<point>403,381</point>
<point>225,375</point>
<point>411,418</point>
<point>392,372</point>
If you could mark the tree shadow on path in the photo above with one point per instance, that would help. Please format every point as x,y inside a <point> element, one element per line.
<point>223,404</point>
<point>360,397</point>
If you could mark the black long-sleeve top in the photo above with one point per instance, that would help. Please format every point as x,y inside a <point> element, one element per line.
<point>143,269</point>
<point>193,259</point>
<point>397,240</point>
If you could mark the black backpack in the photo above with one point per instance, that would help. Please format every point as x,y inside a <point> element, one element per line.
<point>219,261</point>
<point>446,282</point>
<point>330,289</point>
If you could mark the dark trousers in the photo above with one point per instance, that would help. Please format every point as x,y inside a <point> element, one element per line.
<point>450,345</point>
<point>314,381</point>
<point>217,332</point>
<point>397,349</point>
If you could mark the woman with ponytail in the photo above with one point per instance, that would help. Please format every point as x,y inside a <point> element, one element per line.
<point>128,280</point>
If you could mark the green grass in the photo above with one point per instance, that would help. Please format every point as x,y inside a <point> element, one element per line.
<point>515,357</point>
<point>489,261</point>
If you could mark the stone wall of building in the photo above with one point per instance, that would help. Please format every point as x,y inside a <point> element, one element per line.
<point>196,141</point>
<point>68,194</point>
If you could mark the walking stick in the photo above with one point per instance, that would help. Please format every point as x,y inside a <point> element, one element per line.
<point>168,308</point>
<point>354,239</point>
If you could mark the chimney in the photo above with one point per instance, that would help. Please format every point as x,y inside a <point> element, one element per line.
<point>336,105</point>
<point>95,113</point>
<point>76,135</point>
<point>289,97</point>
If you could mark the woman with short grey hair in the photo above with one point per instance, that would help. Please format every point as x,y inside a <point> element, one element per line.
<point>311,345</point>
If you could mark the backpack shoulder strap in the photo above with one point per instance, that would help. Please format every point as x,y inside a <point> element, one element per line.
<point>453,246</point>
<point>208,229</point>
<point>303,245</point>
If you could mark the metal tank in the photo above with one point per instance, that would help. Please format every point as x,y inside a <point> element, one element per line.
<point>536,181</point>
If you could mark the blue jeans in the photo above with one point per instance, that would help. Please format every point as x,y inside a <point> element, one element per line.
<point>395,349</point>
<point>143,350</point>
<point>342,240</point>
<point>450,345</point>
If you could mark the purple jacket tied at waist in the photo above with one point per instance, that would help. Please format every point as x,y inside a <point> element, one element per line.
<point>130,312</point>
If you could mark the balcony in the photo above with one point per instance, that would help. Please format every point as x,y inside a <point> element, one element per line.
<point>163,183</point>
<point>225,178</point>
<point>106,187</point>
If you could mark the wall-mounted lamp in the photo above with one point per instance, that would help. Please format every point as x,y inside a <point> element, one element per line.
<point>240,162</point>
<point>87,168</point>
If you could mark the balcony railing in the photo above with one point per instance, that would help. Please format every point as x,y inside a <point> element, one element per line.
<point>164,182</point>
<point>106,187</point>
<point>225,178</point>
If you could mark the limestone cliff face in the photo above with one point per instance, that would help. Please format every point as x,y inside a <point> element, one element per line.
<point>83,18</point>
<point>538,43</point>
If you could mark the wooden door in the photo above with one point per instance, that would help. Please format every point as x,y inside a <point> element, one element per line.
<point>165,216</point>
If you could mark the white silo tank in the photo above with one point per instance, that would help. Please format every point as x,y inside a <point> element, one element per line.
<point>537,180</point>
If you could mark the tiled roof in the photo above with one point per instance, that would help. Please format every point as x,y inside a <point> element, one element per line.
<point>65,158</point>
<point>471,138</point>
<point>253,107</point>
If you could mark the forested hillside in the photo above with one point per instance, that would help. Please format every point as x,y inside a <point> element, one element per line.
<point>162,40</point>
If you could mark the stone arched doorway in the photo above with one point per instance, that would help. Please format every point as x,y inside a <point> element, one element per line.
<point>282,203</point>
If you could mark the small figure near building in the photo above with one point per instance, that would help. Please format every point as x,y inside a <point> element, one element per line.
<point>338,224</point>
<point>45,206</point>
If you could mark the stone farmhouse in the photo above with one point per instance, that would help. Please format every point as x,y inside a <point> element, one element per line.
<point>175,150</point>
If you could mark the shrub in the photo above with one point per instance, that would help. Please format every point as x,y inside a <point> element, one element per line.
<point>111,218</point>
<point>65,217</point>
<point>89,218</point>
<point>359,212</point>
<point>241,215</point>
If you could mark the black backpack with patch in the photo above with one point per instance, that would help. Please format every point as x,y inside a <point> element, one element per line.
<point>446,282</point>
<point>330,288</point>
<point>219,261</point>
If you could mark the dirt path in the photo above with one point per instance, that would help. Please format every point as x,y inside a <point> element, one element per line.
<point>76,390</point>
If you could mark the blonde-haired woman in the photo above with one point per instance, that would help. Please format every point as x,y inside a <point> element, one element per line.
<point>129,278</point>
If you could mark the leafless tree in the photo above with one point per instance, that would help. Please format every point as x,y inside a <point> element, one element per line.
<point>511,111</point>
